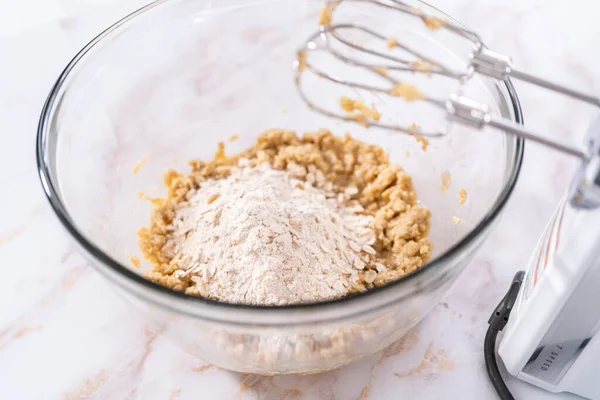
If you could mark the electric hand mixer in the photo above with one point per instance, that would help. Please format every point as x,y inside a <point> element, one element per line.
<point>552,339</point>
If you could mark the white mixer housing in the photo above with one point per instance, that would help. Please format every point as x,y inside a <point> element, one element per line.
<point>552,338</point>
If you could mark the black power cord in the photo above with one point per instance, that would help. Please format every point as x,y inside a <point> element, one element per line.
<point>497,322</point>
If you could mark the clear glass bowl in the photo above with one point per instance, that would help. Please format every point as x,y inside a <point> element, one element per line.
<point>172,80</point>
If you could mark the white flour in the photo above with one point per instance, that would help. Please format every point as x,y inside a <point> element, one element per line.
<point>270,239</point>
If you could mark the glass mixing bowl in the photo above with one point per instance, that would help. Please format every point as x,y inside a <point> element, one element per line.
<point>172,80</point>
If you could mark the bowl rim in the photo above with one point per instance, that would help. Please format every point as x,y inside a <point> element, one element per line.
<point>168,298</point>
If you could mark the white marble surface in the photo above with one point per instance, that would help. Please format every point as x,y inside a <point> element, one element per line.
<point>64,334</point>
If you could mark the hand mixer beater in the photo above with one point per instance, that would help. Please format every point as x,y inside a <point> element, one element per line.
<point>550,343</point>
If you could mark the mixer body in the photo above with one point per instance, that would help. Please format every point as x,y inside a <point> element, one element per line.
<point>552,339</point>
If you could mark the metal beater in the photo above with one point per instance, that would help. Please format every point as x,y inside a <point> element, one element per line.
<point>458,108</point>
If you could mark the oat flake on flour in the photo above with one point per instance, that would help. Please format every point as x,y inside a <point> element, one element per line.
<point>262,237</point>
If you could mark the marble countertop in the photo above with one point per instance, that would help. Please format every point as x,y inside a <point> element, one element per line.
<point>64,333</point>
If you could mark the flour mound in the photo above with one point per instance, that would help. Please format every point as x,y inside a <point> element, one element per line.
<point>262,237</point>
